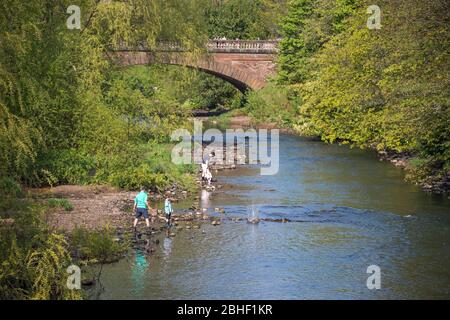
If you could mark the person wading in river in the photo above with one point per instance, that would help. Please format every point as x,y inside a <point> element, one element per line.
<point>141,207</point>
<point>168,211</point>
<point>206,163</point>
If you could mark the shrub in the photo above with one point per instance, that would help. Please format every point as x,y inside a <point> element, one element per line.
<point>9,187</point>
<point>34,260</point>
<point>47,265</point>
<point>272,104</point>
<point>67,166</point>
<point>97,246</point>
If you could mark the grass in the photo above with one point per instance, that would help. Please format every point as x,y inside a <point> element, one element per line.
<point>60,203</point>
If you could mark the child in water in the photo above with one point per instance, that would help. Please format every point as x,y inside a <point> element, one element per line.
<point>168,210</point>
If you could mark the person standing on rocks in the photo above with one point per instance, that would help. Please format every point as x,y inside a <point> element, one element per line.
<point>168,210</point>
<point>141,207</point>
<point>205,164</point>
<point>208,177</point>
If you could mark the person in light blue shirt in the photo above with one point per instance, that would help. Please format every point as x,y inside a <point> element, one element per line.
<point>141,207</point>
<point>168,210</point>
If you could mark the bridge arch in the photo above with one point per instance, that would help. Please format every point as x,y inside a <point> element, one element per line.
<point>245,64</point>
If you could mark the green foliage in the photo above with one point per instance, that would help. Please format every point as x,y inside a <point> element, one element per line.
<point>209,92</point>
<point>64,166</point>
<point>151,166</point>
<point>429,172</point>
<point>46,265</point>
<point>272,104</point>
<point>96,246</point>
<point>33,259</point>
<point>384,89</point>
<point>62,108</point>
<point>243,19</point>
<point>176,87</point>
<point>9,187</point>
<point>308,25</point>
<point>61,203</point>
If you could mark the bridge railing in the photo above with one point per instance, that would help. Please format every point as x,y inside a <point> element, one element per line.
<point>238,46</point>
<point>251,46</point>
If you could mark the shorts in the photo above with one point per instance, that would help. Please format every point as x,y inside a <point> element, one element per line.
<point>168,215</point>
<point>140,212</point>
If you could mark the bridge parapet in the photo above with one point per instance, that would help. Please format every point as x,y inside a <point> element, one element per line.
<point>243,46</point>
<point>216,46</point>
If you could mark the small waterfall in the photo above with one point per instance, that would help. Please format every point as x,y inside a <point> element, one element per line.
<point>253,216</point>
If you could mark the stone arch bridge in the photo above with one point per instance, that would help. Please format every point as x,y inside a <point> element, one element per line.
<point>247,64</point>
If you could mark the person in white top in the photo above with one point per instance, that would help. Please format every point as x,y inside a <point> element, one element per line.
<point>208,176</point>
<point>205,165</point>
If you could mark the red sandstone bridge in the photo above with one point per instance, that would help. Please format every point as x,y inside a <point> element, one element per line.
<point>244,63</point>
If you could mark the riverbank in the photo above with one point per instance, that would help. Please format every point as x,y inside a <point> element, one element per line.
<point>96,206</point>
<point>437,183</point>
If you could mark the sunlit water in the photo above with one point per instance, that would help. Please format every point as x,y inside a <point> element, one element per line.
<point>347,210</point>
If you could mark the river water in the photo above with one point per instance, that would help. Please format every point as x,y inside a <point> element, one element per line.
<point>347,211</point>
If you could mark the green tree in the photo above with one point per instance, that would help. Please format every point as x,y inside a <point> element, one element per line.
<point>308,25</point>
<point>383,89</point>
<point>243,19</point>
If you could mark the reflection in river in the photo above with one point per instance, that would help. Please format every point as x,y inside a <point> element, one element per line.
<point>139,269</point>
<point>167,245</point>
<point>204,199</point>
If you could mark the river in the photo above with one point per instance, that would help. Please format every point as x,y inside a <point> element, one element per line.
<point>347,211</point>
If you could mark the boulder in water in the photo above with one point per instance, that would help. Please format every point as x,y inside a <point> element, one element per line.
<point>253,220</point>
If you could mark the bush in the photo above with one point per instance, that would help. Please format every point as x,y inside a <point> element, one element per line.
<point>47,265</point>
<point>67,166</point>
<point>98,246</point>
<point>148,165</point>
<point>144,164</point>
<point>431,171</point>
<point>272,104</point>
<point>9,187</point>
<point>34,260</point>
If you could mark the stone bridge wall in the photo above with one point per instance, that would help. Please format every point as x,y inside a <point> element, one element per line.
<point>246,64</point>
